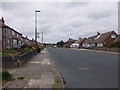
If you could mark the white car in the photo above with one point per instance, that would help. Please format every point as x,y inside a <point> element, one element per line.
<point>55,46</point>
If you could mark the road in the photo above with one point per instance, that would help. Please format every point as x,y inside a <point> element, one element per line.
<point>85,69</point>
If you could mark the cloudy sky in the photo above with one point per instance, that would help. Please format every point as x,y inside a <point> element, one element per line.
<point>61,20</point>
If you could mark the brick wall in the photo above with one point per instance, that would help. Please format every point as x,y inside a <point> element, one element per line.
<point>109,40</point>
<point>106,49</point>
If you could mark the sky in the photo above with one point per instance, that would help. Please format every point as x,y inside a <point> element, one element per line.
<point>61,20</point>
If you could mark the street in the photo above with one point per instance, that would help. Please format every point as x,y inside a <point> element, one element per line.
<point>85,69</point>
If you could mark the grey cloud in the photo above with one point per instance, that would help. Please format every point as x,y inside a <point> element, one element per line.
<point>59,21</point>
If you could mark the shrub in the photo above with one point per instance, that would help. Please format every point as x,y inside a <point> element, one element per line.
<point>21,78</point>
<point>115,45</point>
<point>6,76</point>
<point>25,50</point>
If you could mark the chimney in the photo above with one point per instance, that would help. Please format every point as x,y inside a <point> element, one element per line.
<point>79,38</point>
<point>32,39</point>
<point>26,37</point>
<point>3,20</point>
<point>98,33</point>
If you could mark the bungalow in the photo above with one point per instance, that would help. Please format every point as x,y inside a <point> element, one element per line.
<point>88,43</point>
<point>117,39</point>
<point>75,44</point>
<point>69,42</point>
<point>105,39</point>
<point>81,41</point>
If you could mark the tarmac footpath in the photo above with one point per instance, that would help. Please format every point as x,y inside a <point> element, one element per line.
<point>38,72</point>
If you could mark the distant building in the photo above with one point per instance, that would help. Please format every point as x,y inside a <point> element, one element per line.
<point>74,45</point>
<point>88,43</point>
<point>69,43</point>
<point>25,40</point>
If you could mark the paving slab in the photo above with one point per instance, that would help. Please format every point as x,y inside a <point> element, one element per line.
<point>18,84</point>
<point>37,72</point>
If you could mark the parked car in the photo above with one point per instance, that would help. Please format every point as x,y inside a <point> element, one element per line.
<point>54,46</point>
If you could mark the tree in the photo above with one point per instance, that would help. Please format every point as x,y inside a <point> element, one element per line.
<point>60,44</point>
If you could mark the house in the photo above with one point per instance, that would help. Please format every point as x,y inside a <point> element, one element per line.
<point>88,43</point>
<point>69,42</point>
<point>117,39</point>
<point>10,37</point>
<point>105,39</point>
<point>16,39</point>
<point>81,41</point>
<point>74,45</point>
<point>25,40</point>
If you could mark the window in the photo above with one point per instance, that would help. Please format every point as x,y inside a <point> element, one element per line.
<point>8,31</point>
<point>17,35</point>
<point>13,33</point>
<point>14,41</point>
<point>99,44</point>
<point>93,44</point>
<point>8,41</point>
<point>113,36</point>
<point>19,42</point>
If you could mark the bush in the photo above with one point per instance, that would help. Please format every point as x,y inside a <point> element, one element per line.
<point>25,50</point>
<point>115,45</point>
<point>8,51</point>
<point>6,76</point>
<point>21,78</point>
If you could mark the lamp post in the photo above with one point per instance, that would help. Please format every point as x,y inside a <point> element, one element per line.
<point>36,26</point>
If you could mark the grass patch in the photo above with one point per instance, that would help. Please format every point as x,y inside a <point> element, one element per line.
<point>6,76</point>
<point>58,80</point>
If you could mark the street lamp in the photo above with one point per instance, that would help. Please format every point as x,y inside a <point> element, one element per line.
<point>36,26</point>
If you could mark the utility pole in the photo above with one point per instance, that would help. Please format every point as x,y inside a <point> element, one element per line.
<point>42,37</point>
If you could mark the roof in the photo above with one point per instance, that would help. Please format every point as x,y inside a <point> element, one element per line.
<point>91,39</point>
<point>3,25</point>
<point>82,40</point>
<point>103,37</point>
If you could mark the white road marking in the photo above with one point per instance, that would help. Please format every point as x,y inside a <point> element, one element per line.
<point>43,52</point>
<point>44,62</point>
<point>83,68</point>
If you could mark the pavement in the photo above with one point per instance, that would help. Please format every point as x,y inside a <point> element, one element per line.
<point>99,51</point>
<point>86,69</point>
<point>39,72</point>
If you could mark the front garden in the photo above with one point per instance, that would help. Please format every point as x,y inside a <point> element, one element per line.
<point>23,49</point>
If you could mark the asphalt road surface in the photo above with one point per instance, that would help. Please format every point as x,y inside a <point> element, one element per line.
<point>85,69</point>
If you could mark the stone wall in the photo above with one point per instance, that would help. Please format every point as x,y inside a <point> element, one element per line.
<point>16,61</point>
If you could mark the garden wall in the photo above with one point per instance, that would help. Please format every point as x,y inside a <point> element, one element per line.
<point>106,49</point>
<point>16,61</point>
